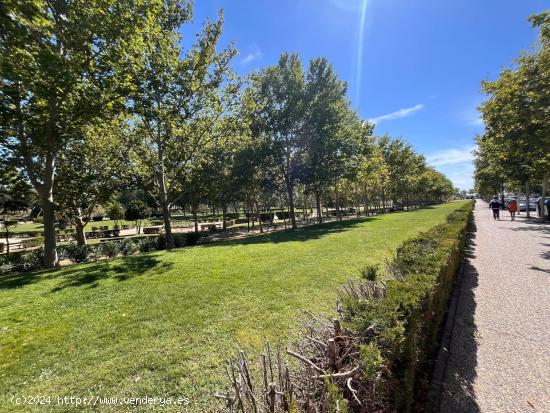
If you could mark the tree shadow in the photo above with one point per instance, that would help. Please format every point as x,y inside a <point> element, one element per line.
<point>534,225</point>
<point>121,270</point>
<point>89,274</point>
<point>453,381</point>
<point>315,231</point>
<point>22,279</point>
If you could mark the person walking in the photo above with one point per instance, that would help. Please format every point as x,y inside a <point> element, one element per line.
<point>495,206</point>
<point>513,208</point>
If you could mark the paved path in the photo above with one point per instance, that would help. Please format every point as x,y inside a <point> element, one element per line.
<point>499,353</point>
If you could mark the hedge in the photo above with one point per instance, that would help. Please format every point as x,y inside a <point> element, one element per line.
<point>408,320</point>
<point>25,261</point>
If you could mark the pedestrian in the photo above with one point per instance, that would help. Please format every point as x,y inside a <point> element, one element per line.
<point>513,208</point>
<point>495,206</point>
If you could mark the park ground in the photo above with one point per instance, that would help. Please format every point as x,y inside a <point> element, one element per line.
<point>163,324</point>
<point>498,357</point>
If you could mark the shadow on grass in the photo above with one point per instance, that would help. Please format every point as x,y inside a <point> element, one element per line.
<point>307,233</point>
<point>90,274</point>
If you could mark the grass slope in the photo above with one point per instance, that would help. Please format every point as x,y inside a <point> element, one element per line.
<point>163,324</point>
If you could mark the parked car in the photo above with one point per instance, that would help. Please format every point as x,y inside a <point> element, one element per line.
<point>532,204</point>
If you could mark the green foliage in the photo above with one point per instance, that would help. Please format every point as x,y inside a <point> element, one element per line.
<point>370,272</point>
<point>128,247</point>
<point>147,245</point>
<point>110,249</point>
<point>137,210</point>
<point>408,319</point>
<point>21,261</point>
<point>78,253</point>
<point>373,361</point>
<point>336,401</point>
<point>515,147</point>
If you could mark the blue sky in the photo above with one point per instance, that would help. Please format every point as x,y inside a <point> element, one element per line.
<point>414,67</point>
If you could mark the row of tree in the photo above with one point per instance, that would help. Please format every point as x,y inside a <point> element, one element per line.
<point>514,151</point>
<point>99,96</point>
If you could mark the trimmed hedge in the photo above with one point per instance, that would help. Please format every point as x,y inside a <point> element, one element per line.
<point>408,320</point>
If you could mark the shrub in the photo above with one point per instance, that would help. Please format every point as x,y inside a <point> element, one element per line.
<point>78,253</point>
<point>408,319</point>
<point>137,211</point>
<point>232,215</point>
<point>147,246</point>
<point>115,211</point>
<point>180,240</point>
<point>128,247</point>
<point>370,272</point>
<point>38,220</point>
<point>22,261</point>
<point>110,248</point>
<point>32,242</point>
<point>194,237</point>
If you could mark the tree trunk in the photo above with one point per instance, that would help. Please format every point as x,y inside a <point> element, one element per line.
<point>543,195</point>
<point>290,191</point>
<point>258,214</point>
<point>166,215</point>
<point>50,252</point>
<point>527,211</point>
<point>79,233</point>
<point>318,205</point>
<point>195,219</point>
<point>224,218</point>
<point>337,201</point>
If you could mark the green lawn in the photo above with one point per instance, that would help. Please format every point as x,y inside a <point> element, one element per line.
<point>162,324</point>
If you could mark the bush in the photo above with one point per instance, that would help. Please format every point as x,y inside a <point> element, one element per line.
<point>408,318</point>
<point>232,215</point>
<point>38,220</point>
<point>370,272</point>
<point>180,240</point>
<point>115,211</point>
<point>194,237</point>
<point>78,253</point>
<point>32,242</point>
<point>147,246</point>
<point>128,247</point>
<point>22,261</point>
<point>110,248</point>
<point>282,215</point>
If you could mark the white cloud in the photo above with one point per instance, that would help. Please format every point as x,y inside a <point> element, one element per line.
<point>401,113</point>
<point>451,156</point>
<point>255,54</point>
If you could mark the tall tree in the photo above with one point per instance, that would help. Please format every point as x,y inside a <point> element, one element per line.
<point>323,136</point>
<point>63,64</point>
<point>517,114</point>
<point>178,105</point>
<point>280,88</point>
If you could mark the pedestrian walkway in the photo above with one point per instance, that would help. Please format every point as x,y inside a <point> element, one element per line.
<point>499,351</point>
